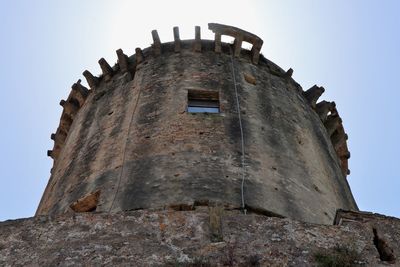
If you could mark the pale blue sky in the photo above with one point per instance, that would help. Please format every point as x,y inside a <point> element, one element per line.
<point>349,47</point>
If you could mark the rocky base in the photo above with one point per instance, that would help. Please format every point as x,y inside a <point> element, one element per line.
<point>206,236</point>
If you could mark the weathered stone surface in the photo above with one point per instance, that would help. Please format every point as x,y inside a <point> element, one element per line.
<point>134,140</point>
<point>197,40</point>
<point>177,40</point>
<point>240,36</point>
<point>313,94</point>
<point>79,92</point>
<point>92,81</point>
<point>249,78</point>
<point>122,60</point>
<point>139,55</point>
<point>323,108</point>
<point>156,43</point>
<point>175,238</point>
<point>86,203</point>
<point>106,69</point>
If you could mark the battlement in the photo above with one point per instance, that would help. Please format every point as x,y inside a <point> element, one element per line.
<point>127,65</point>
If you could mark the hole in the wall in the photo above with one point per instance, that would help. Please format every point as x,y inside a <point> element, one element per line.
<point>247,45</point>
<point>384,250</point>
<point>227,39</point>
<point>316,188</point>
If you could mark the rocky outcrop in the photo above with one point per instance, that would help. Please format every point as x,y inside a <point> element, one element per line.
<point>203,236</point>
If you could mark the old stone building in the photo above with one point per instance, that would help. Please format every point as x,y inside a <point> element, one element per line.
<point>198,152</point>
<point>192,122</point>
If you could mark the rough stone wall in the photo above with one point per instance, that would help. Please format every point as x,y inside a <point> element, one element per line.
<point>182,238</point>
<point>134,142</point>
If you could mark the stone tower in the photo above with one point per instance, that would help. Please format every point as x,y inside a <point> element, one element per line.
<point>198,122</point>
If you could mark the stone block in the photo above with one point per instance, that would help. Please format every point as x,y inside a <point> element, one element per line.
<point>197,40</point>
<point>86,203</point>
<point>177,40</point>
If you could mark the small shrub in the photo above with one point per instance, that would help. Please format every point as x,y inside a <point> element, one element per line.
<point>339,256</point>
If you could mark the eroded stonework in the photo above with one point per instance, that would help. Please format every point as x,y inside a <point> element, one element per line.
<point>181,238</point>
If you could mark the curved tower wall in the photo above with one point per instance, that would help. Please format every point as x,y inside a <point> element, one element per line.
<point>131,139</point>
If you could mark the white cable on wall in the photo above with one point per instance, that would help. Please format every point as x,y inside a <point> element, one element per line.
<point>241,133</point>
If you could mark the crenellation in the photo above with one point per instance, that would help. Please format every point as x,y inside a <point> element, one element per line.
<point>338,138</point>
<point>122,61</point>
<point>80,89</point>
<point>55,152</point>
<point>177,40</point>
<point>69,108</point>
<point>107,70</point>
<point>156,46</point>
<point>237,45</point>
<point>255,52</point>
<point>197,40</point>
<point>332,123</point>
<point>59,137</point>
<point>313,94</point>
<point>288,74</point>
<point>78,94</point>
<point>217,38</point>
<point>345,155</point>
<point>92,81</point>
<point>139,55</point>
<point>323,109</point>
<point>65,122</point>
<point>240,36</point>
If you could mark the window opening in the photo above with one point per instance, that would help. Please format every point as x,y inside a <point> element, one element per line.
<point>200,101</point>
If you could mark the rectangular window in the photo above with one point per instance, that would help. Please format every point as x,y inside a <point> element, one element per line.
<point>201,101</point>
